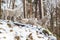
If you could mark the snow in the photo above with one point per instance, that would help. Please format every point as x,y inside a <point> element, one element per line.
<point>5,6</point>
<point>23,32</point>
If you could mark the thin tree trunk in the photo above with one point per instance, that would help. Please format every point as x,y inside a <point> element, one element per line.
<point>40,12</point>
<point>10,3</point>
<point>42,8</point>
<point>57,28</point>
<point>59,24</point>
<point>51,20</point>
<point>31,9</point>
<point>0,8</point>
<point>56,13</point>
<point>24,7</point>
<point>36,8</point>
<point>13,4</point>
<point>7,3</point>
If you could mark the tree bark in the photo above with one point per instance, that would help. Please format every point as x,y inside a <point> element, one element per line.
<point>42,8</point>
<point>40,12</point>
<point>13,4</point>
<point>10,3</point>
<point>0,8</point>
<point>56,13</point>
<point>51,20</point>
<point>24,7</point>
<point>36,8</point>
<point>31,9</point>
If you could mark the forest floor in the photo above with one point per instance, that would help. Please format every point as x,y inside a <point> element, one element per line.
<point>18,31</point>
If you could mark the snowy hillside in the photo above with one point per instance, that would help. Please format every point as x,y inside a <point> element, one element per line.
<point>17,31</point>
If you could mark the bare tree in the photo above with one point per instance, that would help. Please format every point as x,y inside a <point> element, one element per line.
<point>36,8</point>
<point>24,7</point>
<point>30,8</point>
<point>51,20</point>
<point>40,12</point>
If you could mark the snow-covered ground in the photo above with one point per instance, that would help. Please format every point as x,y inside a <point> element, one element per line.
<point>17,31</point>
<point>8,5</point>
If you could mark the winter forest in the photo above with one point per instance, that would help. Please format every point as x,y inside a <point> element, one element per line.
<point>29,19</point>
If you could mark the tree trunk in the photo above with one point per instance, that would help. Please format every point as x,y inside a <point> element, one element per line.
<point>56,16</point>
<point>13,4</point>
<point>24,7</point>
<point>40,12</point>
<point>51,21</point>
<point>31,9</point>
<point>0,8</point>
<point>36,8</point>
<point>10,3</point>
<point>7,3</point>
<point>42,8</point>
<point>59,24</point>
